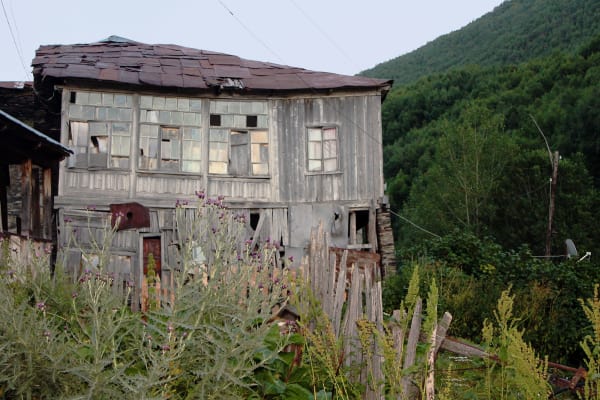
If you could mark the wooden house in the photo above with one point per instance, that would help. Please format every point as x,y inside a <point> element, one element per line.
<point>28,162</point>
<point>152,125</point>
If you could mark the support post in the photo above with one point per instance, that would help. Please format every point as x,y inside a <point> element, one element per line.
<point>26,192</point>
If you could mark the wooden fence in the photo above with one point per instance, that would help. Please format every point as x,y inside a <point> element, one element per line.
<point>349,286</point>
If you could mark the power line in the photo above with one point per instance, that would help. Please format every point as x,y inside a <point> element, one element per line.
<point>250,31</point>
<point>15,41</point>
<point>413,224</point>
<point>318,27</point>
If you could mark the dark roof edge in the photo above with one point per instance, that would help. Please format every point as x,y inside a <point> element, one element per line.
<point>55,144</point>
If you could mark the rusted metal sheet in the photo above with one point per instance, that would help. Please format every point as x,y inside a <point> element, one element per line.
<point>129,216</point>
<point>125,61</point>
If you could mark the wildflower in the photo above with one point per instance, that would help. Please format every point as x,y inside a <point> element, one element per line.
<point>170,328</point>
<point>68,220</point>
<point>74,295</point>
<point>291,258</point>
<point>165,348</point>
<point>129,283</point>
<point>41,306</point>
<point>46,334</point>
<point>200,194</point>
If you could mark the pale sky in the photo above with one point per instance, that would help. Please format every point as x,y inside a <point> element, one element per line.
<point>341,36</point>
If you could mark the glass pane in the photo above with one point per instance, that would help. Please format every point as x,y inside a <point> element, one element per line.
<point>217,168</point>
<point>255,153</point>
<point>98,144</point>
<point>260,169</point>
<point>329,149</point>
<point>314,165</point>
<point>314,150</point>
<point>329,133</point>
<point>259,137</point>
<point>330,165</point>
<point>98,127</point>
<point>218,135</point>
<point>152,148</point>
<point>196,151</point>
<point>191,166</point>
<point>79,134</point>
<point>314,134</point>
<point>120,128</point>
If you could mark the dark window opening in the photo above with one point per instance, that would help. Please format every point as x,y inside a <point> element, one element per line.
<point>73,97</point>
<point>251,121</point>
<point>215,120</point>
<point>254,218</point>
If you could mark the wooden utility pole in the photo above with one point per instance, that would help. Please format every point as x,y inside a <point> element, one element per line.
<point>554,158</point>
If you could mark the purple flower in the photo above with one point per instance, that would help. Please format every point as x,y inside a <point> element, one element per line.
<point>200,194</point>
<point>291,258</point>
<point>170,328</point>
<point>68,220</point>
<point>74,295</point>
<point>41,306</point>
<point>46,334</point>
<point>165,348</point>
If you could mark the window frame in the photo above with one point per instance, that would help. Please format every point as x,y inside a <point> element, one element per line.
<point>322,158</point>
<point>252,156</point>
<point>92,147</point>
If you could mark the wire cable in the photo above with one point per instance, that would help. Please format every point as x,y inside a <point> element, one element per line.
<point>12,35</point>
<point>414,224</point>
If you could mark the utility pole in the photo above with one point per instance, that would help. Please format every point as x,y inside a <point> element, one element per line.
<point>554,159</point>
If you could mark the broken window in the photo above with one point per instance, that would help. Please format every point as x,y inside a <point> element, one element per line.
<point>322,149</point>
<point>240,146</point>
<point>100,129</point>
<point>93,142</point>
<point>170,149</point>
<point>218,146</point>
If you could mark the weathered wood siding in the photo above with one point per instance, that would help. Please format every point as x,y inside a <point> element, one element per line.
<point>357,119</point>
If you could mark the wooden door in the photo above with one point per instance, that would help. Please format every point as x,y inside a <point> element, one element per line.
<point>151,245</point>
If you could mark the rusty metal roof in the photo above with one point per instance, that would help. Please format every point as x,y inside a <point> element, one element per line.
<point>119,60</point>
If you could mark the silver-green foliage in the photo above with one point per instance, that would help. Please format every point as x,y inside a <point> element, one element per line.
<point>64,339</point>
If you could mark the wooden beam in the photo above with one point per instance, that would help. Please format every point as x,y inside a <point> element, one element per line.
<point>4,183</point>
<point>47,203</point>
<point>26,189</point>
<point>352,232</point>
<point>372,228</point>
<point>36,225</point>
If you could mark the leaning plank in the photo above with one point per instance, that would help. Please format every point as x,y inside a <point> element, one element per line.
<point>442,328</point>
<point>464,349</point>
<point>340,294</point>
<point>430,379</point>
<point>411,349</point>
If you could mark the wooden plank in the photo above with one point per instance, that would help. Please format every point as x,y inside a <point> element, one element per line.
<point>47,203</point>
<point>443,325</point>
<point>408,388</point>
<point>430,378</point>
<point>340,294</point>
<point>4,183</point>
<point>352,228</point>
<point>26,201</point>
<point>353,313</point>
<point>36,224</point>
<point>372,228</point>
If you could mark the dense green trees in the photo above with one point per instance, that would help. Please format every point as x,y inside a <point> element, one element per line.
<point>514,32</point>
<point>461,150</point>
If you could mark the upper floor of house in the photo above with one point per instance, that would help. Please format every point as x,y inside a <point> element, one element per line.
<point>159,122</point>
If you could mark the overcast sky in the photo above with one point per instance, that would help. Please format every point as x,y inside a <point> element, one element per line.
<point>342,36</point>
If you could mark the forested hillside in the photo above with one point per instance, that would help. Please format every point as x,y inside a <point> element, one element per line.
<point>468,171</point>
<point>513,32</point>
